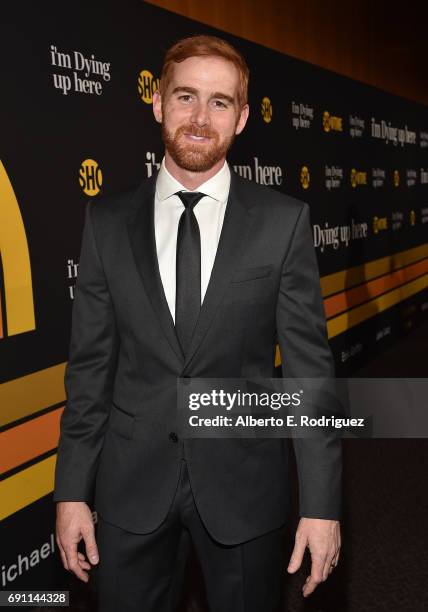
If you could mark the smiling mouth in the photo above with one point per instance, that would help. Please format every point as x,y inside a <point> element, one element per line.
<point>197,138</point>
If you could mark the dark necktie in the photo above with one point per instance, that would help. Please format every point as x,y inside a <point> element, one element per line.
<point>188,270</point>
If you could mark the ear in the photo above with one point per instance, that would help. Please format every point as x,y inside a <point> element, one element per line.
<point>157,106</point>
<point>245,111</point>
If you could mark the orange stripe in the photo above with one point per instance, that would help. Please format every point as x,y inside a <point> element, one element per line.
<point>348,299</point>
<point>29,440</point>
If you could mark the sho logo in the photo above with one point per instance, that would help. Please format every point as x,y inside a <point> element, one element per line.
<point>330,122</point>
<point>358,178</point>
<point>266,109</point>
<point>305,177</point>
<point>90,177</point>
<point>147,85</point>
<point>379,224</point>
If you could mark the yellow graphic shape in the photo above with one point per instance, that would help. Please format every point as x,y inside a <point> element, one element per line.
<point>15,258</point>
<point>372,308</point>
<point>326,121</point>
<point>90,177</point>
<point>31,393</point>
<point>27,486</point>
<point>266,109</point>
<point>147,85</point>
<point>350,277</point>
<point>305,177</point>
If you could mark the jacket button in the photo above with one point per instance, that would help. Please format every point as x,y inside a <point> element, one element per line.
<point>173,436</point>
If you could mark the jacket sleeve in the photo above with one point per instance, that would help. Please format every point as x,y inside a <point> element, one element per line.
<point>305,353</point>
<point>89,375</point>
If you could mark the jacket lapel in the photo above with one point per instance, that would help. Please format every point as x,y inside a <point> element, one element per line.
<point>233,237</point>
<point>141,231</point>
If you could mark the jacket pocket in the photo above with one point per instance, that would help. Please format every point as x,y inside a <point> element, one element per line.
<point>247,274</point>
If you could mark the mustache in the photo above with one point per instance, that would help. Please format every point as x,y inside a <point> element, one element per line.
<point>195,131</point>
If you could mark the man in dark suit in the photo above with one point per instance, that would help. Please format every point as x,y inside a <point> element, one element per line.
<point>196,274</point>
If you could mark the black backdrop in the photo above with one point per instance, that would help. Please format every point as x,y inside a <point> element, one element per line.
<point>357,155</point>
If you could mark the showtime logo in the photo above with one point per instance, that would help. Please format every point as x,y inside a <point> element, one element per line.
<point>266,110</point>
<point>147,85</point>
<point>358,178</point>
<point>332,123</point>
<point>380,224</point>
<point>90,177</point>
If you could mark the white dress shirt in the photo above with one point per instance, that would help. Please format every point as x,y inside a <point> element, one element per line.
<point>209,213</point>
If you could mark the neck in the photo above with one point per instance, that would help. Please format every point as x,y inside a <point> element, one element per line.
<point>190,180</point>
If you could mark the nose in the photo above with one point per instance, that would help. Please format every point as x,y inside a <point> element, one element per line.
<point>200,115</point>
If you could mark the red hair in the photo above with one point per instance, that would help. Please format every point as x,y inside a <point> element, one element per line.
<point>197,46</point>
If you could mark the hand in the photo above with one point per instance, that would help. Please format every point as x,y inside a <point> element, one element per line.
<point>74,522</point>
<point>322,537</point>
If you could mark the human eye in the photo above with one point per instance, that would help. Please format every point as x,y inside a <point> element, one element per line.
<point>219,104</point>
<point>186,98</point>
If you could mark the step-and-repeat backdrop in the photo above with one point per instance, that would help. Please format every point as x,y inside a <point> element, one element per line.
<point>76,93</point>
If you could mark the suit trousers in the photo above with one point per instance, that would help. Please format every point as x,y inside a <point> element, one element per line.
<point>144,572</point>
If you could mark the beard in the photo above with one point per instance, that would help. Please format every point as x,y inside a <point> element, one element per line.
<point>195,157</point>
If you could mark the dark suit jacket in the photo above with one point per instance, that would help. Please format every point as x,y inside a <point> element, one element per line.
<point>116,446</point>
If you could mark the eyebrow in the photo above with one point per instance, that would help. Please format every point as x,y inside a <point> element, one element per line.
<point>216,94</point>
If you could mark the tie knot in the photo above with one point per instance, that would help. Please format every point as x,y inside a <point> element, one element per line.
<point>190,198</point>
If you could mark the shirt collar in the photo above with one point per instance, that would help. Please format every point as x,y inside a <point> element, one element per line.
<point>217,187</point>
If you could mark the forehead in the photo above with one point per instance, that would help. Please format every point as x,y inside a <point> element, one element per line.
<point>207,73</point>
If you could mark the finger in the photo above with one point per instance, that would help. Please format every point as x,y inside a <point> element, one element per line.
<point>310,585</point>
<point>297,554</point>
<point>316,575</point>
<point>73,562</point>
<point>82,561</point>
<point>337,556</point>
<point>91,544</point>
<point>64,559</point>
<point>328,567</point>
<point>334,561</point>
<point>85,565</point>
<point>62,553</point>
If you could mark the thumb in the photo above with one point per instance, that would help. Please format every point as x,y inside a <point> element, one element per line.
<point>297,555</point>
<point>91,545</point>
